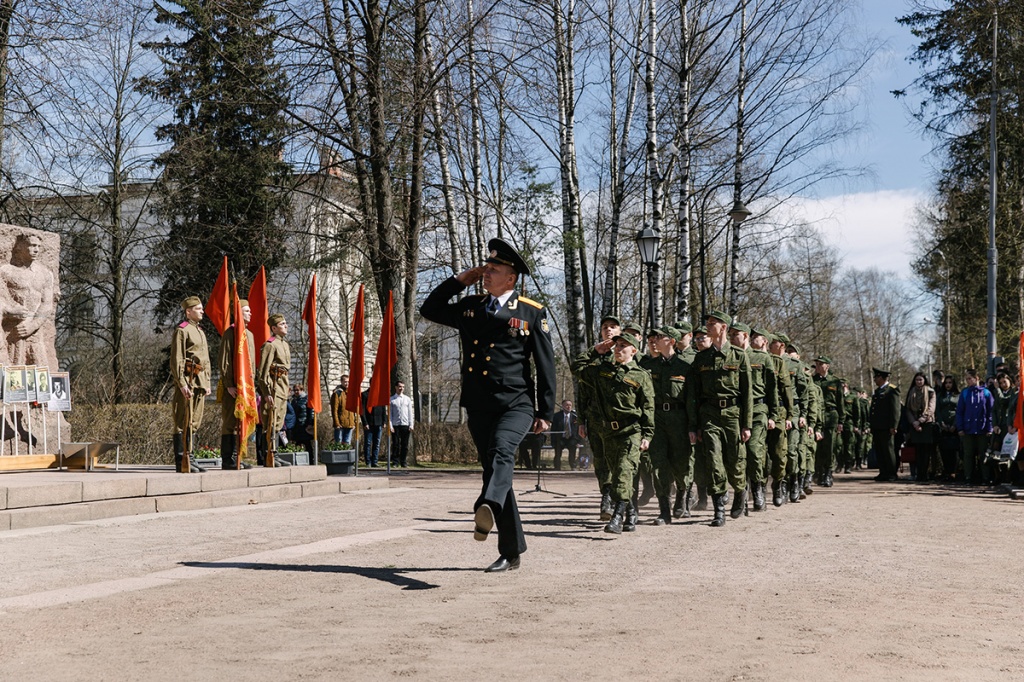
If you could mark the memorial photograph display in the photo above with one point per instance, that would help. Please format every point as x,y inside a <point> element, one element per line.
<point>42,384</point>
<point>30,383</point>
<point>60,393</point>
<point>14,384</point>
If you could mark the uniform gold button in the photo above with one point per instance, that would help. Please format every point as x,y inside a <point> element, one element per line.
<point>488,358</point>
<point>475,342</point>
<point>472,355</point>
<point>470,369</point>
<point>492,345</point>
<point>484,372</point>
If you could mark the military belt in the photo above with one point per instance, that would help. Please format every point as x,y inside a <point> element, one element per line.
<point>278,371</point>
<point>620,424</point>
<point>669,406</point>
<point>723,403</point>
<point>193,368</point>
<point>759,401</point>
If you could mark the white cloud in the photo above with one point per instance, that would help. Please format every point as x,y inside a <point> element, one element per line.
<point>870,229</point>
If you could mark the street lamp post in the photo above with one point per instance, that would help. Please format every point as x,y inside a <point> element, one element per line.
<point>648,241</point>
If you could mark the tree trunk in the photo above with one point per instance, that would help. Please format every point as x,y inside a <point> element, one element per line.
<point>683,254</point>
<point>734,263</point>
<point>446,173</point>
<point>653,164</point>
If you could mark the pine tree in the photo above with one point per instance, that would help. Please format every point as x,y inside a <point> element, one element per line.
<point>223,174</point>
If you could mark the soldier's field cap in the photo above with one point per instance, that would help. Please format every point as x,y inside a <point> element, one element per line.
<point>740,327</point>
<point>670,332</point>
<point>761,331</point>
<point>880,372</point>
<point>718,315</point>
<point>190,302</point>
<point>782,338</point>
<point>793,347</point>
<point>632,326</point>
<point>684,327</point>
<point>628,338</point>
<point>502,253</point>
<point>275,319</point>
<point>610,318</point>
<point>701,330</point>
<point>823,359</point>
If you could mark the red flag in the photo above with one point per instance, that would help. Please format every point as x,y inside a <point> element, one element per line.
<point>313,367</point>
<point>218,308</point>
<point>357,364</point>
<point>245,385</point>
<point>387,357</point>
<point>1018,416</point>
<point>260,311</point>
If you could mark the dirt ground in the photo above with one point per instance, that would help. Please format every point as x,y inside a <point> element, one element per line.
<point>864,581</point>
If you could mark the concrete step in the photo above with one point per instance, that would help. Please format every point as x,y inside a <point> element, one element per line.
<point>49,498</point>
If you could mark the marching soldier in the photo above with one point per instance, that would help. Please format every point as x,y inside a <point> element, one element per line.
<point>698,462</point>
<point>720,412</point>
<point>228,420</point>
<point>600,353</point>
<point>764,386</point>
<point>684,345</point>
<point>625,403</point>
<point>851,428</point>
<point>815,418</point>
<point>782,421</point>
<point>272,382</point>
<point>834,409</point>
<point>501,333</point>
<point>670,446</point>
<point>190,371</point>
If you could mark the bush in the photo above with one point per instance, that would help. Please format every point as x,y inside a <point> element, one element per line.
<point>443,443</point>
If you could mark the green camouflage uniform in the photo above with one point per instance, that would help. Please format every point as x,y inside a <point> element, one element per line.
<point>623,412</point>
<point>670,448</point>
<point>720,404</point>
<point>586,408</point>
<point>778,440</point>
<point>801,404</point>
<point>815,416</point>
<point>764,386</point>
<point>834,415</point>
<point>851,407</point>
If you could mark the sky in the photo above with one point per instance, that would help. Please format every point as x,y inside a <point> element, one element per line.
<point>871,221</point>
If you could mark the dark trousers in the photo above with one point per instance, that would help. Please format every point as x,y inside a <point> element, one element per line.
<point>559,442</point>
<point>885,450</point>
<point>400,445</point>
<point>497,436</point>
<point>371,444</point>
<point>529,453</point>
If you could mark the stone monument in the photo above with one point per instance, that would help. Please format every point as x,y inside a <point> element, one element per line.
<point>29,289</point>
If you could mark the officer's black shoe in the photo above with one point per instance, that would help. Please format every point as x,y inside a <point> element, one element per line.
<point>664,514</point>
<point>719,502</point>
<point>606,505</point>
<point>618,517</point>
<point>778,493</point>
<point>758,496</point>
<point>681,498</point>
<point>194,466</point>
<point>739,504</point>
<point>629,523</point>
<point>503,564</point>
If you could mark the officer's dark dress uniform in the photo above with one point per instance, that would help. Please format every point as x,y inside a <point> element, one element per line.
<point>884,416</point>
<point>497,385</point>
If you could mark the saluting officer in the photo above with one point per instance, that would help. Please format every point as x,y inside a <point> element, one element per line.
<point>720,408</point>
<point>190,371</point>
<point>272,378</point>
<point>500,332</point>
<point>228,420</point>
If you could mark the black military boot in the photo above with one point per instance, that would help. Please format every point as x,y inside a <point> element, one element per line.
<point>194,466</point>
<point>179,451</point>
<point>632,512</point>
<point>794,488</point>
<point>807,484</point>
<point>702,500</point>
<point>778,493</point>
<point>618,517</point>
<point>758,495</point>
<point>686,506</point>
<point>664,513</point>
<point>719,501</point>
<point>739,504</point>
<point>606,503</point>
<point>227,451</point>
<point>648,480</point>
<point>682,497</point>
<point>828,479</point>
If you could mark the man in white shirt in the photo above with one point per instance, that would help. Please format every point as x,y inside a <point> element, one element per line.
<point>402,414</point>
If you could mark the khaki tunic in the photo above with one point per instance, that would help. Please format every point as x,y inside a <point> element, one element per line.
<point>228,421</point>
<point>272,382</point>
<point>188,347</point>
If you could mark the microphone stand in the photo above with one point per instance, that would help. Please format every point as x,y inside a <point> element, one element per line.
<point>539,487</point>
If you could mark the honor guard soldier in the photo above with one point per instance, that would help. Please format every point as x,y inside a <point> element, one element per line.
<point>625,403</point>
<point>834,408</point>
<point>883,419</point>
<point>720,408</point>
<point>600,353</point>
<point>684,345</point>
<point>190,371</point>
<point>228,420</point>
<point>670,446</point>
<point>272,383</point>
<point>500,333</point>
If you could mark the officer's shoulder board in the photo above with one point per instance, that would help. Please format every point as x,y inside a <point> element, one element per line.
<point>183,324</point>
<point>632,383</point>
<point>530,301</point>
<point>272,339</point>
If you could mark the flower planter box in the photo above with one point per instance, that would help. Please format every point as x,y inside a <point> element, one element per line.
<point>209,463</point>
<point>339,462</point>
<point>293,458</point>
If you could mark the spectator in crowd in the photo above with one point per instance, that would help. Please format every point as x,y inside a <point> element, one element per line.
<point>529,450</point>
<point>373,429</point>
<point>344,419</point>
<point>1004,395</point>
<point>946,398</point>
<point>564,434</point>
<point>289,423</point>
<point>302,430</point>
<point>402,423</point>
<point>921,432</point>
<point>974,415</point>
